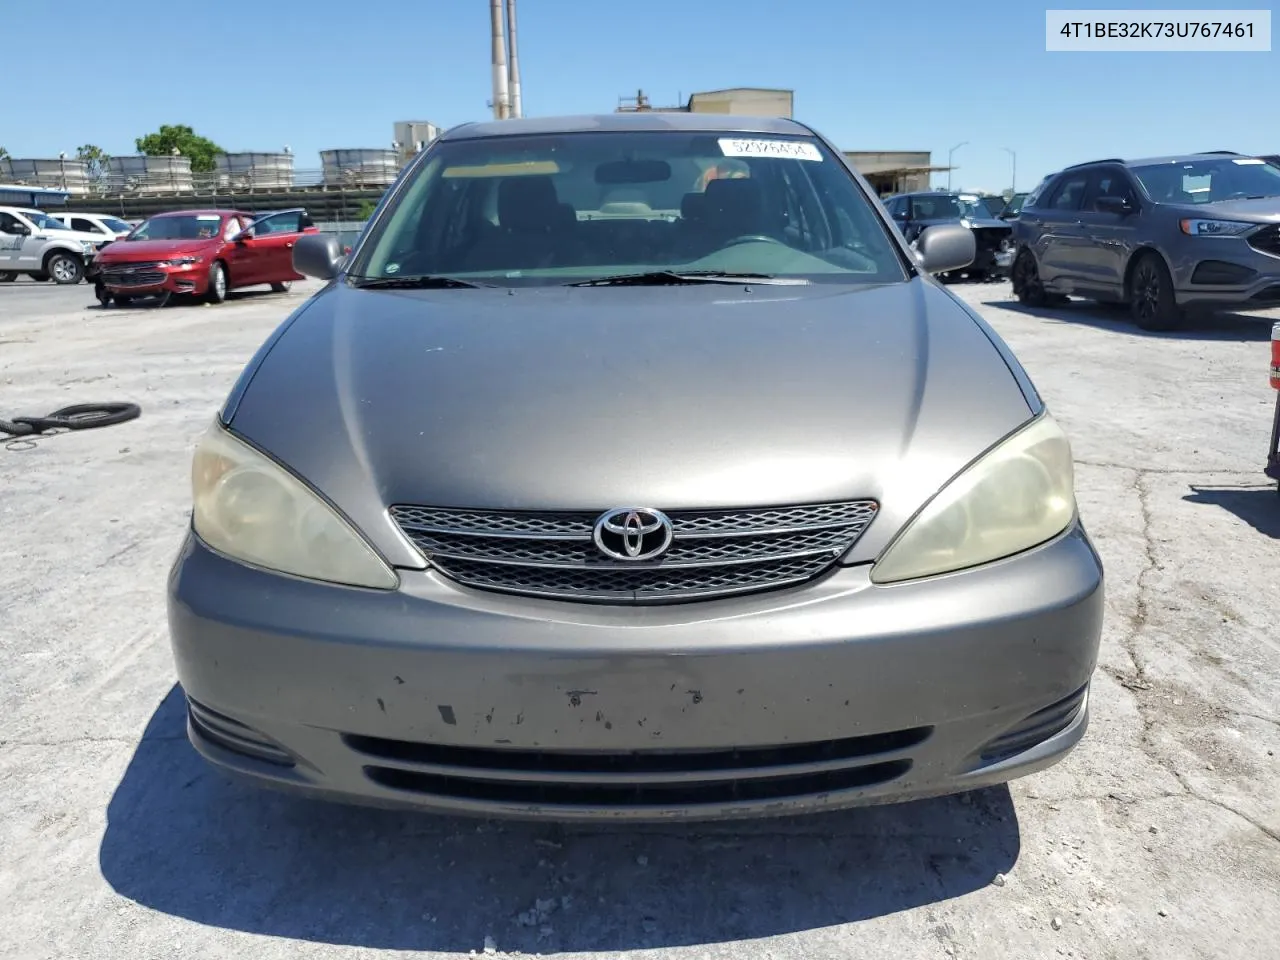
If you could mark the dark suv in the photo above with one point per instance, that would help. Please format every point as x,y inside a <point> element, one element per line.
<point>1158,235</point>
<point>914,212</point>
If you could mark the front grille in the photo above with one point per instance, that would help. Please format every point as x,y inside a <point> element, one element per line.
<point>713,553</point>
<point>1267,240</point>
<point>640,778</point>
<point>141,274</point>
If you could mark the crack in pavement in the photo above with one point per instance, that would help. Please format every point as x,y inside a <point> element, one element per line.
<point>1140,681</point>
<point>1174,472</point>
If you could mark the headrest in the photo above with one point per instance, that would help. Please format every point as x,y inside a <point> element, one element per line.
<point>528,203</point>
<point>736,196</point>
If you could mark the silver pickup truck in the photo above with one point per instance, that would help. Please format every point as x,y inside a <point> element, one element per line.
<point>35,243</point>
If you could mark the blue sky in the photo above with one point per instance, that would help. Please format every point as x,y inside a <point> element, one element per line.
<point>924,75</point>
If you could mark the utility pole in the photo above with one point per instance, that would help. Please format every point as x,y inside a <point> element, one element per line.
<point>501,105</point>
<point>517,109</point>
<point>951,153</point>
<point>1014,183</point>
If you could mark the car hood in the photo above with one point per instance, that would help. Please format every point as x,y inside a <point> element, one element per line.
<point>592,398</point>
<point>1264,210</point>
<point>123,250</point>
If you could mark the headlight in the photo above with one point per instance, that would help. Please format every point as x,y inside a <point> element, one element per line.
<point>181,261</point>
<point>86,246</point>
<point>1017,495</point>
<point>1214,228</point>
<point>248,507</point>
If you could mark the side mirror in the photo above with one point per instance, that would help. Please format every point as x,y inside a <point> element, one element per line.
<point>1113,205</point>
<point>318,255</point>
<point>21,230</point>
<point>243,235</point>
<point>945,247</point>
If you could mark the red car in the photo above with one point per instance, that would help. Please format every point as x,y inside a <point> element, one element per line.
<point>202,253</point>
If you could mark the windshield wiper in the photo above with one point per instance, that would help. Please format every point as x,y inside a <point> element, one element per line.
<point>663,278</point>
<point>423,282</point>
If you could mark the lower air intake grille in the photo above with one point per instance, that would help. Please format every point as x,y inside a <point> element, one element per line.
<point>712,553</point>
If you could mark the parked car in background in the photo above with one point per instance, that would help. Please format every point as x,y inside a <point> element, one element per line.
<point>40,245</point>
<point>994,204</point>
<point>591,487</point>
<point>1157,235</point>
<point>915,212</point>
<point>202,253</point>
<point>104,226</point>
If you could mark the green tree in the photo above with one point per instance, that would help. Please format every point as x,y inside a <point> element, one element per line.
<point>366,210</point>
<point>4,154</point>
<point>164,141</point>
<point>94,159</point>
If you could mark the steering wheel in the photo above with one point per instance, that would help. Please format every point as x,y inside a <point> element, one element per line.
<point>752,238</point>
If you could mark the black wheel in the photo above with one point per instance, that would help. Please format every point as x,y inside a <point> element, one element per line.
<point>65,268</point>
<point>283,286</point>
<point>7,276</point>
<point>102,293</point>
<point>217,291</point>
<point>1151,301</point>
<point>163,298</point>
<point>1026,280</point>
<point>122,299</point>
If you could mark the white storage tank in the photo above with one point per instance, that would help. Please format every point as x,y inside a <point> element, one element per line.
<point>413,135</point>
<point>349,168</point>
<point>255,171</point>
<point>70,175</point>
<point>142,174</point>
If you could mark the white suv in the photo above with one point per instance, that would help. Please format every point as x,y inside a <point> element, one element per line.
<point>36,243</point>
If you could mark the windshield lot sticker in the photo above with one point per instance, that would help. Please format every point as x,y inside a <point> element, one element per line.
<point>208,216</point>
<point>1249,161</point>
<point>784,149</point>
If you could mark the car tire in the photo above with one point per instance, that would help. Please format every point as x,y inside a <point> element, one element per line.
<point>122,299</point>
<point>1025,276</point>
<point>217,291</point>
<point>102,293</point>
<point>1152,304</point>
<point>66,269</point>
<point>7,276</point>
<point>282,286</point>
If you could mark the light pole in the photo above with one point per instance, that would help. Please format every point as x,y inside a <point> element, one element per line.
<point>1013,184</point>
<point>951,153</point>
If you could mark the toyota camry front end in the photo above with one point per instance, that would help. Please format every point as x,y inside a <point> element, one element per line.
<point>587,488</point>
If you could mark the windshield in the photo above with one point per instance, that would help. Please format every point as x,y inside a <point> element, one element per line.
<point>563,208</point>
<point>45,222</point>
<point>1015,203</point>
<point>1209,180</point>
<point>975,208</point>
<point>116,226</point>
<point>189,227</point>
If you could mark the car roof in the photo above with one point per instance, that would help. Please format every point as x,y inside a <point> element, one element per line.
<point>206,213</point>
<point>1157,161</point>
<point>645,121</point>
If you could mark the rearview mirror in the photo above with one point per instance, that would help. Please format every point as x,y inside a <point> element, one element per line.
<point>318,255</point>
<point>1112,205</point>
<point>945,247</point>
<point>633,171</point>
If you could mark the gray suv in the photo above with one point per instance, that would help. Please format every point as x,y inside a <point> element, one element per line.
<point>1158,235</point>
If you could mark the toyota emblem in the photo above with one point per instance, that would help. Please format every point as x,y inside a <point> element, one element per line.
<point>633,533</point>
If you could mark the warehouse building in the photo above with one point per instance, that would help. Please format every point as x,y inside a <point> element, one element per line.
<point>888,171</point>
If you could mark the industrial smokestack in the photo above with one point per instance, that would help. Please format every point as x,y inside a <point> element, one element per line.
<point>501,109</point>
<point>514,60</point>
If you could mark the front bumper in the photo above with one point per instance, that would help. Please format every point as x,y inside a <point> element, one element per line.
<point>150,280</point>
<point>836,694</point>
<point>1253,277</point>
